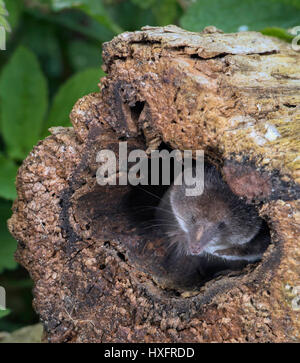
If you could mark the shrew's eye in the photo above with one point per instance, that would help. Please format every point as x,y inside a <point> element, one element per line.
<point>221,225</point>
<point>193,219</point>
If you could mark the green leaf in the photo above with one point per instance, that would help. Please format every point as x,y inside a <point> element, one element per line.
<point>8,172</point>
<point>7,243</point>
<point>5,24</point>
<point>63,4</point>
<point>144,4</point>
<point>167,12</point>
<point>41,37</point>
<point>83,54</point>
<point>4,313</point>
<point>122,12</point>
<point>232,15</point>
<point>77,86</point>
<point>23,96</point>
<point>2,8</point>
<point>76,21</point>
<point>295,3</point>
<point>14,9</point>
<point>44,2</point>
<point>3,13</point>
<point>278,33</point>
<point>93,8</point>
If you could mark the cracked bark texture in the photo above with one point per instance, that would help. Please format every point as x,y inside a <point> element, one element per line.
<point>97,277</point>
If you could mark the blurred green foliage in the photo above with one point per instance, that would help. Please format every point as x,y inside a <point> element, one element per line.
<point>233,15</point>
<point>53,57</point>
<point>3,15</point>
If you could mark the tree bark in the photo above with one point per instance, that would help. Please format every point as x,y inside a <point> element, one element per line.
<point>97,278</point>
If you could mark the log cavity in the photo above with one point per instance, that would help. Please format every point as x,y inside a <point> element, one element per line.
<point>125,215</point>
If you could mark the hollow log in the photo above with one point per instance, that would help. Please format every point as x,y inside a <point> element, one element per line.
<point>98,278</point>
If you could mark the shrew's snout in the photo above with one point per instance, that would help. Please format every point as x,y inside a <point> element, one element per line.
<point>200,238</point>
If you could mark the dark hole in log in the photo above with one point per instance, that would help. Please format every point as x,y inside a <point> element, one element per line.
<point>127,214</point>
<point>289,105</point>
<point>121,256</point>
<point>136,110</point>
<point>141,201</point>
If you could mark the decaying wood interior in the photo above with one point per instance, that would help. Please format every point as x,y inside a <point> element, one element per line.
<point>98,277</point>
